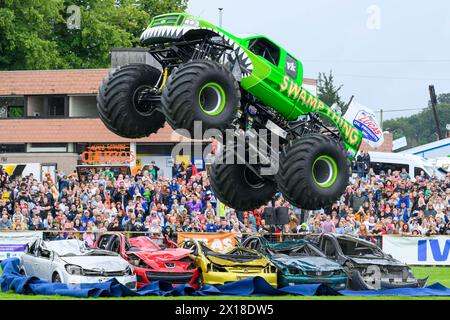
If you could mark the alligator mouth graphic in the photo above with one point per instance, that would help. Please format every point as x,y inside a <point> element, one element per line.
<point>177,32</point>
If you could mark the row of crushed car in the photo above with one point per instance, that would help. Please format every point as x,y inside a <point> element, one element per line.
<point>339,261</point>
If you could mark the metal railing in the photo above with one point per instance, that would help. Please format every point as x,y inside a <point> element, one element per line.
<point>273,237</point>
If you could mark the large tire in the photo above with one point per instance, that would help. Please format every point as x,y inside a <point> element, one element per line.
<point>237,186</point>
<point>200,90</point>
<point>313,172</point>
<point>119,104</point>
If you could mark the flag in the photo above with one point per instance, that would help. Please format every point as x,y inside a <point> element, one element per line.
<point>363,118</point>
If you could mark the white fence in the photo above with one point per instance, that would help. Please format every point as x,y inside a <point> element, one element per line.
<point>12,244</point>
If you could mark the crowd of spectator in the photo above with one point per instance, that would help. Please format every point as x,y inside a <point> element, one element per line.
<point>373,204</point>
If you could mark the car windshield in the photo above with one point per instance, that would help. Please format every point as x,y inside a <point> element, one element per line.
<point>69,248</point>
<point>162,244</point>
<point>359,248</point>
<point>146,243</point>
<point>236,254</point>
<point>304,249</point>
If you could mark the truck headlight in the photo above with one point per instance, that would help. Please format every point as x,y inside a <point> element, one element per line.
<point>74,270</point>
<point>189,22</point>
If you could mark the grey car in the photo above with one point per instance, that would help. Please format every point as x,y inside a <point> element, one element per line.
<point>367,266</point>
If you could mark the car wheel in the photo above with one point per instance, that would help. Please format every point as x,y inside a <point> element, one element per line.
<point>357,282</point>
<point>56,278</point>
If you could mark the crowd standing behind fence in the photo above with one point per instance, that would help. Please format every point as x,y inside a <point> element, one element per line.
<point>373,205</point>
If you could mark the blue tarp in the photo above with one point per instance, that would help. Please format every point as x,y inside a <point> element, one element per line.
<point>257,286</point>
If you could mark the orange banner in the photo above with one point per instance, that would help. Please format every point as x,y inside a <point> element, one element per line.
<point>217,241</point>
<point>109,153</point>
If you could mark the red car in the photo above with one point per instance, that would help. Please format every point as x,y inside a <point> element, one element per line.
<point>153,258</point>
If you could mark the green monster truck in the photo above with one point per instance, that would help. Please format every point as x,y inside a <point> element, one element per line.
<point>223,81</point>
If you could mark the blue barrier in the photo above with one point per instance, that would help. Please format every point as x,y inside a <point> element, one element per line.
<point>12,280</point>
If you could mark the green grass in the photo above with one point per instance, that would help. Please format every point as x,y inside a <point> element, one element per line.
<point>437,274</point>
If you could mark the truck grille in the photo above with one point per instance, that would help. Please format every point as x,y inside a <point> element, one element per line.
<point>170,20</point>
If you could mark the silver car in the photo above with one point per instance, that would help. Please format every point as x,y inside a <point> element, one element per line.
<point>72,262</point>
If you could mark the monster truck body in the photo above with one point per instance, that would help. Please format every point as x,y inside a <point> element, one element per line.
<point>223,81</point>
<point>273,76</point>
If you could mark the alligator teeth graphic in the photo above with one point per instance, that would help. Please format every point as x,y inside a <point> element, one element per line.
<point>177,32</point>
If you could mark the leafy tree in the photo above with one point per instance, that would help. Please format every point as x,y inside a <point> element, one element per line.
<point>419,128</point>
<point>444,98</point>
<point>328,92</point>
<point>34,33</point>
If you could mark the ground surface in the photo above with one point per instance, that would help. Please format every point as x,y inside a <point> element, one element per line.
<point>437,274</point>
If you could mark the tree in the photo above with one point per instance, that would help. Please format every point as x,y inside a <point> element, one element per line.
<point>419,128</point>
<point>328,92</point>
<point>34,34</point>
<point>444,98</point>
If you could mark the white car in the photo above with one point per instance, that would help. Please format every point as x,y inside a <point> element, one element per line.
<point>72,262</point>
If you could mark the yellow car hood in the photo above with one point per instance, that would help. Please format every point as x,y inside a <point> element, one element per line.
<point>261,262</point>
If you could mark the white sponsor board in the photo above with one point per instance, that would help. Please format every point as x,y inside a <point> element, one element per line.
<point>419,250</point>
<point>12,244</point>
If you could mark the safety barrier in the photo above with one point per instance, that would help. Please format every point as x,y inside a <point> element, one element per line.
<point>414,250</point>
<point>275,237</point>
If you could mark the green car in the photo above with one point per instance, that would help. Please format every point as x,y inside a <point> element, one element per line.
<point>207,82</point>
<point>299,262</point>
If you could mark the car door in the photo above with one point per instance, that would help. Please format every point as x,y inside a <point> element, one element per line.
<point>329,248</point>
<point>273,60</point>
<point>102,242</point>
<point>249,243</point>
<point>43,263</point>
<point>114,244</point>
<point>29,257</point>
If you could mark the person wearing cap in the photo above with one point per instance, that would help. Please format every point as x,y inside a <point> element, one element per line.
<point>123,196</point>
<point>87,217</point>
<point>404,198</point>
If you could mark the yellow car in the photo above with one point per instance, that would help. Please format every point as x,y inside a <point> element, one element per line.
<point>236,264</point>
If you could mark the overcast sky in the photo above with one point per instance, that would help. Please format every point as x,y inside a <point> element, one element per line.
<point>384,52</point>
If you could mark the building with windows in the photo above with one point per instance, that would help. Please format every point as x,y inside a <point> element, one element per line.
<point>50,117</point>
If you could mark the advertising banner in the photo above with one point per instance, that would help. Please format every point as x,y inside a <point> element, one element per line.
<point>12,244</point>
<point>419,250</point>
<point>217,241</point>
<point>364,119</point>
